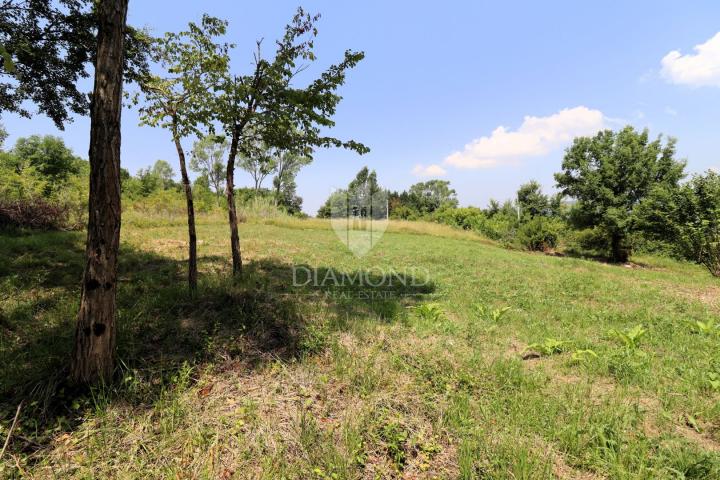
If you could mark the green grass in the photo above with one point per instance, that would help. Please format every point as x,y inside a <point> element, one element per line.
<point>483,372</point>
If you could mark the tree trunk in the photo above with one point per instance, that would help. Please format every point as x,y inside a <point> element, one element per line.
<point>619,253</point>
<point>94,349</point>
<point>232,212</point>
<point>192,259</point>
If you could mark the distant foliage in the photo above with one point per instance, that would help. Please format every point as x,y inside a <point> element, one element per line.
<point>422,199</point>
<point>43,185</point>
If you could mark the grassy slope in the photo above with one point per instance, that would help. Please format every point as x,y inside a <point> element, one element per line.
<point>262,380</point>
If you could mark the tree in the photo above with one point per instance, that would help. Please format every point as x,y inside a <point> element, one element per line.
<point>179,101</point>
<point>164,171</point>
<point>257,160</point>
<point>493,208</point>
<point>49,156</point>
<point>287,166</point>
<point>265,105</point>
<point>426,197</point>
<point>533,203</point>
<point>45,46</point>
<point>688,217</point>
<point>361,195</point>
<point>208,155</point>
<point>3,136</point>
<point>286,194</point>
<point>94,347</point>
<point>610,174</point>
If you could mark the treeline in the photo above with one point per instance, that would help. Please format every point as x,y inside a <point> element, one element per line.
<point>619,192</point>
<point>44,185</point>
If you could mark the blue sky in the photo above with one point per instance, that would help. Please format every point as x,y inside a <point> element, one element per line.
<point>446,87</point>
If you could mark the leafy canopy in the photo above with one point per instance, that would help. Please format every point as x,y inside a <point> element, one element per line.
<point>689,217</point>
<point>610,174</point>
<point>45,47</point>
<point>180,100</point>
<point>426,197</point>
<point>278,113</point>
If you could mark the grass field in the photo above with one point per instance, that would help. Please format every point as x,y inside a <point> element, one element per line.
<point>504,364</point>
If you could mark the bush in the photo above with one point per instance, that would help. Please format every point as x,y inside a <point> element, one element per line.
<point>403,212</point>
<point>465,218</point>
<point>33,213</point>
<point>163,203</point>
<point>539,234</point>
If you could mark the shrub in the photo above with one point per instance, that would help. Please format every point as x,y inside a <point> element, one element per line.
<point>539,234</point>
<point>590,241</point>
<point>33,213</point>
<point>398,213</point>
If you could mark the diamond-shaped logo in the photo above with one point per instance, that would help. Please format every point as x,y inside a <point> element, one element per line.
<point>359,216</point>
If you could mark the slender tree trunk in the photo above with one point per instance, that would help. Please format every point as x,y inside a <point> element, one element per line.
<point>192,259</point>
<point>94,349</point>
<point>232,212</point>
<point>277,192</point>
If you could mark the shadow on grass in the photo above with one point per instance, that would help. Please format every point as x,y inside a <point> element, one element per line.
<point>275,312</point>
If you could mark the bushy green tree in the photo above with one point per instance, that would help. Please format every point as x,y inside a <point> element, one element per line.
<point>533,202</point>
<point>426,197</point>
<point>49,156</point>
<point>287,197</point>
<point>688,217</point>
<point>610,174</point>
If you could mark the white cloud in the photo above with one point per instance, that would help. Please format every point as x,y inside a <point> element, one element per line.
<point>429,171</point>
<point>536,136</point>
<point>699,69</point>
<point>671,111</point>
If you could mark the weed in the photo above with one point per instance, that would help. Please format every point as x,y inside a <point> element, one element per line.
<point>491,315</point>
<point>709,327</point>
<point>583,356</point>
<point>713,381</point>
<point>549,346</point>
<point>630,338</point>
<point>395,437</point>
<point>430,312</point>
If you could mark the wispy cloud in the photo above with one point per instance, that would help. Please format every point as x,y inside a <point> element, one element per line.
<point>429,171</point>
<point>699,69</point>
<point>671,111</point>
<point>536,136</point>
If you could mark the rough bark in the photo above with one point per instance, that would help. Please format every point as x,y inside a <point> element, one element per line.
<point>192,236</point>
<point>94,349</point>
<point>232,212</point>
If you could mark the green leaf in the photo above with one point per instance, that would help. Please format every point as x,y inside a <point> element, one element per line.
<point>8,64</point>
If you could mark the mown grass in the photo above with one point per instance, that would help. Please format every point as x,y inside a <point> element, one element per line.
<point>260,379</point>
